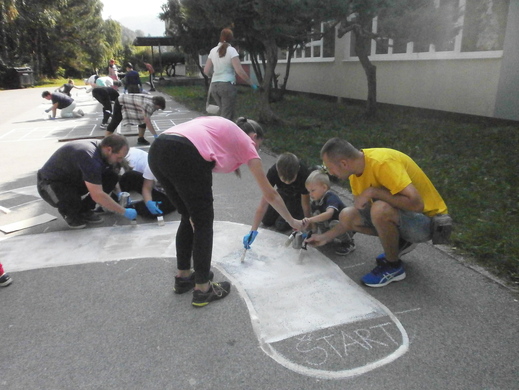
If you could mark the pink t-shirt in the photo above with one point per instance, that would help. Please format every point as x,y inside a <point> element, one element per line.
<point>220,140</point>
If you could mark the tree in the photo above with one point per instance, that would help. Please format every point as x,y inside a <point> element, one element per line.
<point>261,27</point>
<point>113,35</point>
<point>79,42</point>
<point>264,26</point>
<point>56,35</point>
<point>420,21</point>
<point>195,33</point>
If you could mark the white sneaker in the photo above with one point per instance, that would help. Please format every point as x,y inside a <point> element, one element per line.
<point>80,112</point>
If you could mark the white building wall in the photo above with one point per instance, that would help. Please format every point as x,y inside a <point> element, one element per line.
<point>467,86</point>
<point>475,83</point>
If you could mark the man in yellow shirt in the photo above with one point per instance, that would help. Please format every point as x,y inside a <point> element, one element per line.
<point>393,199</point>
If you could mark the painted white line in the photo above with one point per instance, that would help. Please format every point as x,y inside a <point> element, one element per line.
<point>8,133</point>
<point>353,266</point>
<point>408,311</point>
<point>29,190</point>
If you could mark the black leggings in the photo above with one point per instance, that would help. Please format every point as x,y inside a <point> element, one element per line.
<point>117,117</point>
<point>103,97</point>
<point>188,180</point>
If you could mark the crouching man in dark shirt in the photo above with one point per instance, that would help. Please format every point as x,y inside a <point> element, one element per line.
<point>79,169</point>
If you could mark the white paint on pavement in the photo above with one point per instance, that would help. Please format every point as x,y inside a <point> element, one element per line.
<point>287,300</point>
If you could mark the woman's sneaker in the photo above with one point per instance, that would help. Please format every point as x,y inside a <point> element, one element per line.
<point>142,141</point>
<point>183,285</point>
<point>5,280</point>
<point>216,291</point>
<point>384,273</point>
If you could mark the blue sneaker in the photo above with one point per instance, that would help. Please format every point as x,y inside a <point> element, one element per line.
<point>384,273</point>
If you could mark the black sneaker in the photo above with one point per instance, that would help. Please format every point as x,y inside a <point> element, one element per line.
<point>344,249</point>
<point>183,285</point>
<point>216,291</point>
<point>91,217</point>
<point>142,141</point>
<point>74,222</point>
<point>404,247</point>
<point>5,280</point>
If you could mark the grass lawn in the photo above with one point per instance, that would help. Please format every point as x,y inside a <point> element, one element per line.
<point>473,162</point>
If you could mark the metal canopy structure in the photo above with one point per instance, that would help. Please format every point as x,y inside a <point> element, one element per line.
<point>155,41</point>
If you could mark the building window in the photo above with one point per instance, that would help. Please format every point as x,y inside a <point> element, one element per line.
<point>469,29</point>
<point>315,49</point>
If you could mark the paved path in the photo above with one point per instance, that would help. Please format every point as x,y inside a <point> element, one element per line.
<point>94,309</point>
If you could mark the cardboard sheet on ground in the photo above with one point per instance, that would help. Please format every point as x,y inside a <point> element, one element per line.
<point>287,300</point>
<point>27,223</point>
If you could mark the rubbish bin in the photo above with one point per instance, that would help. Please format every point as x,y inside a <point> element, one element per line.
<point>20,77</point>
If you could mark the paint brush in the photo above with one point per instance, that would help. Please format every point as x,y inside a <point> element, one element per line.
<point>303,249</point>
<point>243,256</point>
<point>291,238</point>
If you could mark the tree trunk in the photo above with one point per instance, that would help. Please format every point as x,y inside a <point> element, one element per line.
<point>362,39</point>
<point>361,49</point>
<point>266,115</point>
<point>291,51</point>
<point>370,70</point>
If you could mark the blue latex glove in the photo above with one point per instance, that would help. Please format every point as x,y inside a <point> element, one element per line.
<point>249,239</point>
<point>153,207</point>
<point>131,214</point>
<point>254,87</point>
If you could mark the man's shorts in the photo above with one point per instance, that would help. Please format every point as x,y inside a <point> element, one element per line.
<point>413,227</point>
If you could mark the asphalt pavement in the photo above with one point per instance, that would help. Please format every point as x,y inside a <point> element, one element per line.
<point>94,308</point>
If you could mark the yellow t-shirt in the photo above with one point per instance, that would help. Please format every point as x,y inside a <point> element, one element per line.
<point>394,170</point>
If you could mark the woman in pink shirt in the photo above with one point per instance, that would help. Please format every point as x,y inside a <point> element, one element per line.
<point>183,159</point>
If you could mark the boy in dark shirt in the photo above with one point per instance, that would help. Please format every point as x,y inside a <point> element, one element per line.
<point>288,176</point>
<point>62,102</point>
<point>326,207</point>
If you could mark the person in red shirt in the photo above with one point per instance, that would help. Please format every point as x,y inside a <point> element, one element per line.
<point>152,72</point>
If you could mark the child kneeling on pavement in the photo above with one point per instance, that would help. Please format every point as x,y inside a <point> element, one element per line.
<point>326,206</point>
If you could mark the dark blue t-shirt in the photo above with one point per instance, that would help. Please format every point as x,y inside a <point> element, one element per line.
<point>132,78</point>
<point>76,163</point>
<point>62,100</point>
<point>328,200</point>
